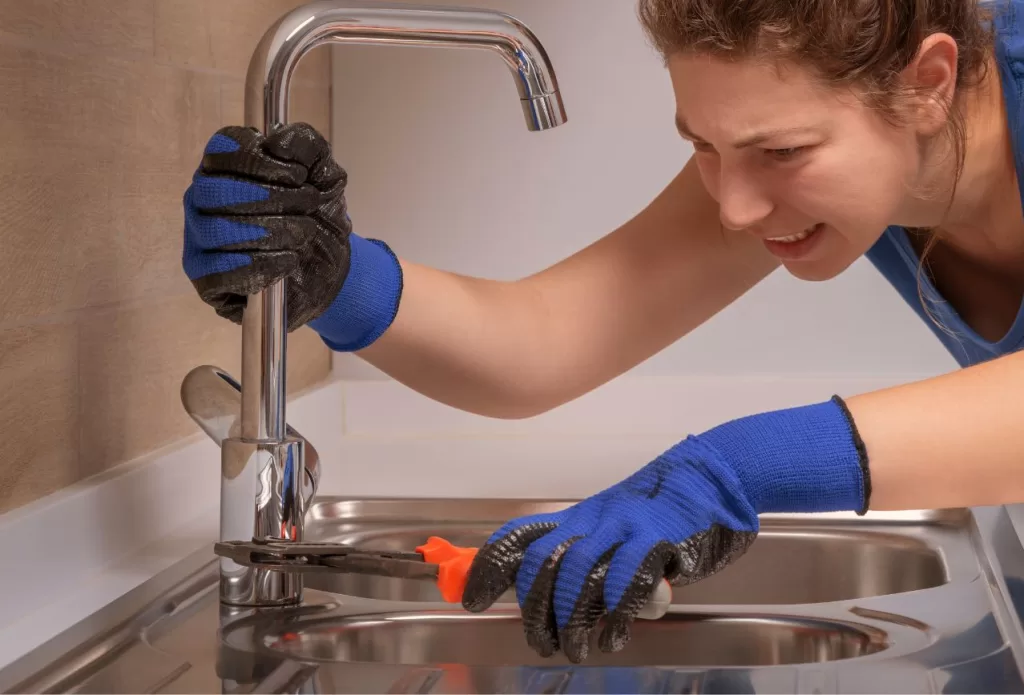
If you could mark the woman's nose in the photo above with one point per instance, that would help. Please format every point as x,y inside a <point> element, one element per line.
<point>742,202</point>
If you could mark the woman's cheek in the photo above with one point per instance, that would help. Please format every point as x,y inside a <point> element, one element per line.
<point>708,168</point>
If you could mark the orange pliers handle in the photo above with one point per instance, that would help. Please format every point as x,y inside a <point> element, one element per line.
<point>453,565</point>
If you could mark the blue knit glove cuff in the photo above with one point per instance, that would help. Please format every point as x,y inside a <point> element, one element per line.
<point>804,459</point>
<point>368,301</point>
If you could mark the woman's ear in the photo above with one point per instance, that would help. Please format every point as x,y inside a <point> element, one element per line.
<point>931,78</point>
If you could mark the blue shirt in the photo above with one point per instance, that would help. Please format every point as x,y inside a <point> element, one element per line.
<point>897,260</point>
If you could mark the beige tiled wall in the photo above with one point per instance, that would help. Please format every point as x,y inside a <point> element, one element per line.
<point>106,107</point>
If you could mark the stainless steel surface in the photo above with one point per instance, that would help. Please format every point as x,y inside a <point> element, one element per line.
<point>260,497</point>
<point>793,624</point>
<point>264,334</point>
<point>680,639</point>
<point>804,565</point>
<point>213,399</point>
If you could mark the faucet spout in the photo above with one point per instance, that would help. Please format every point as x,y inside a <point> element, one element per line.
<point>364,22</point>
<point>261,484</point>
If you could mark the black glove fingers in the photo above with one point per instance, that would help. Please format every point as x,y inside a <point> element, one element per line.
<point>628,594</point>
<point>291,233</point>
<point>494,568</point>
<point>234,138</point>
<point>250,160</point>
<point>538,607</point>
<point>227,292</point>
<point>254,166</point>
<point>314,281</point>
<point>328,176</point>
<point>696,558</point>
<point>297,142</point>
<point>583,596</point>
<point>227,195</point>
<point>302,144</point>
<point>291,156</point>
<point>708,552</point>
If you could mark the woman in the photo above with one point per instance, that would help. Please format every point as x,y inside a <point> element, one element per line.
<point>823,130</point>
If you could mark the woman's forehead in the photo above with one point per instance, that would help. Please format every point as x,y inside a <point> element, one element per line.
<point>739,100</point>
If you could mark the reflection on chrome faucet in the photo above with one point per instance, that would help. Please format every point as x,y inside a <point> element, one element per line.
<point>213,399</point>
<point>262,463</point>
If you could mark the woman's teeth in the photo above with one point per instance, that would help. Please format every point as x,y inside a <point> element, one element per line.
<point>799,236</point>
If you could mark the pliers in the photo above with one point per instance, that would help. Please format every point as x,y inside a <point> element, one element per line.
<point>436,560</point>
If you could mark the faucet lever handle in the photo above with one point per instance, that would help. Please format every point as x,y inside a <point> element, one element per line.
<point>213,399</point>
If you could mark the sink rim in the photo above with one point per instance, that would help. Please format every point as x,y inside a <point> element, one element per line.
<point>490,509</point>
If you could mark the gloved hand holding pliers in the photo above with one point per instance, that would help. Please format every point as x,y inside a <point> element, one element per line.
<point>684,516</point>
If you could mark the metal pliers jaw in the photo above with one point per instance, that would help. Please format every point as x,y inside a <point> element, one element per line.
<point>326,557</point>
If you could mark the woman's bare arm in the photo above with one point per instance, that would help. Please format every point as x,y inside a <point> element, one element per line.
<point>949,441</point>
<point>516,349</point>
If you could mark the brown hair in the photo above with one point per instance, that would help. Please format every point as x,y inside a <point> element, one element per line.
<point>859,44</point>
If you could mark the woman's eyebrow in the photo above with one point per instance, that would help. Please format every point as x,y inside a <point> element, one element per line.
<point>747,141</point>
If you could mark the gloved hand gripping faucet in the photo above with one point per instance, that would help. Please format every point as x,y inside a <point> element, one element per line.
<point>264,208</point>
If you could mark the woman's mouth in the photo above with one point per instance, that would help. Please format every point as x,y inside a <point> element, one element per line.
<point>795,246</point>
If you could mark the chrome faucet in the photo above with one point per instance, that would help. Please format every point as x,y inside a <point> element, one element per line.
<point>262,460</point>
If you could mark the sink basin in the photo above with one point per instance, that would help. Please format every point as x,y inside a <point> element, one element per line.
<point>783,566</point>
<point>496,639</point>
<point>894,602</point>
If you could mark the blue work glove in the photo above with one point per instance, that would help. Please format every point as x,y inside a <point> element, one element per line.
<point>262,209</point>
<point>684,516</point>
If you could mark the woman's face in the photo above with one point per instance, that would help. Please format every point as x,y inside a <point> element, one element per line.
<point>813,172</point>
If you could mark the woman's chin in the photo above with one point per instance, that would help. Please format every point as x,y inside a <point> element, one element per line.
<point>818,270</point>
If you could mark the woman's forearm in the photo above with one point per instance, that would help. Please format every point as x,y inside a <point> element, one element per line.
<point>519,348</point>
<point>471,343</point>
<point>954,440</point>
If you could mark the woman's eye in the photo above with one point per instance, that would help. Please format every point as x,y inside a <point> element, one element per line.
<point>785,152</point>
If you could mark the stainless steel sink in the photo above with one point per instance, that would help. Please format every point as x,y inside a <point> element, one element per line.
<point>679,639</point>
<point>822,603</point>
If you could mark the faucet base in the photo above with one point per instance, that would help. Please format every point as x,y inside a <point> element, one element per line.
<point>261,498</point>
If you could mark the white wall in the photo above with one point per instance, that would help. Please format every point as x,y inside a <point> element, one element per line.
<point>442,167</point>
